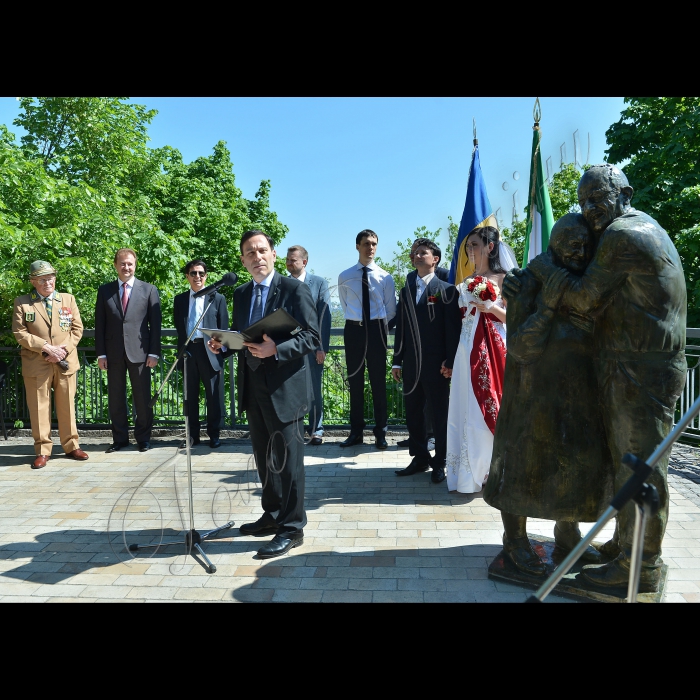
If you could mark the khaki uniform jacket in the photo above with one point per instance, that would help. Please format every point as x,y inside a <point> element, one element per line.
<point>32,330</point>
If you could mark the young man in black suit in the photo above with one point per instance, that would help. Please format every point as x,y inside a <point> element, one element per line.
<point>442,273</point>
<point>203,365</point>
<point>427,334</point>
<point>274,389</point>
<point>127,338</point>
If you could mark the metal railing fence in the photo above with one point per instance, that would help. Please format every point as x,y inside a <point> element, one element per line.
<point>91,394</point>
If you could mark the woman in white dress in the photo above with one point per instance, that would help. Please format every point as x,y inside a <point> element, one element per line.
<point>477,375</point>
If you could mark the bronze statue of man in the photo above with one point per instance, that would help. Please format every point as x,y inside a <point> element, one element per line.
<point>550,454</point>
<point>635,290</point>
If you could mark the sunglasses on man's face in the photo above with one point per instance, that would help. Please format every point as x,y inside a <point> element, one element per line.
<point>197,273</point>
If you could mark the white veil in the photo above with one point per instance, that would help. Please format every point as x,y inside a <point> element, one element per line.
<point>506,257</point>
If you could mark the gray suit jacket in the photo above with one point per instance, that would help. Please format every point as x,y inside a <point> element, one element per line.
<point>322,300</point>
<point>136,334</point>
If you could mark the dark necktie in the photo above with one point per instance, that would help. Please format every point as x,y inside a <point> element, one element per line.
<point>366,316</point>
<point>49,307</point>
<point>125,297</point>
<point>256,315</point>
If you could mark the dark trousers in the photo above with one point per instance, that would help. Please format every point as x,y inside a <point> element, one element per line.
<point>365,346</point>
<point>315,424</point>
<point>279,456</point>
<point>638,407</point>
<point>199,369</point>
<point>140,378</point>
<point>424,400</point>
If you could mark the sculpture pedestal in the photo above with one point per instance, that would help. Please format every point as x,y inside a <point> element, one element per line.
<point>572,585</point>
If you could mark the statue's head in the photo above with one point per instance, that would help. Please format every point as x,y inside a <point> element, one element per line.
<point>603,194</point>
<point>571,242</point>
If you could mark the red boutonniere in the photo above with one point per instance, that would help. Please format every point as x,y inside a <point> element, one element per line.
<point>432,299</point>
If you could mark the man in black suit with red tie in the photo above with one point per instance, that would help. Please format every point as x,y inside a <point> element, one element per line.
<point>427,335</point>
<point>203,365</point>
<point>274,390</point>
<point>127,339</point>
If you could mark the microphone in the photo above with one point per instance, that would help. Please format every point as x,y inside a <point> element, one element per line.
<point>228,280</point>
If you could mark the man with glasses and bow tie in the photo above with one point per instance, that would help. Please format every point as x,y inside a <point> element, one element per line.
<point>127,339</point>
<point>203,365</point>
<point>274,390</point>
<point>47,325</point>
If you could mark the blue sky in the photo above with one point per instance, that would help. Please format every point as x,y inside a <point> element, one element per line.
<point>338,165</point>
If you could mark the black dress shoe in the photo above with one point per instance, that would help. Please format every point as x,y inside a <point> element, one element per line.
<point>352,439</point>
<point>380,443</point>
<point>214,443</point>
<point>279,545</point>
<point>144,446</point>
<point>417,465</point>
<point>116,446</point>
<point>437,475</point>
<point>261,527</point>
<point>315,440</point>
<point>183,444</point>
<point>402,443</point>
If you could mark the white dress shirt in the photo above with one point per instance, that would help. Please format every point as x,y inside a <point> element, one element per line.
<point>382,297</point>
<point>199,308</point>
<point>422,284</point>
<point>265,291</point>
<point>302,276</point>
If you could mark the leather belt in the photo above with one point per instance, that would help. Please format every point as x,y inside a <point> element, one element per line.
<point>360,323</point>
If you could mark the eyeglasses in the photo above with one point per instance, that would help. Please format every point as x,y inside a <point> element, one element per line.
<point>197,273</point>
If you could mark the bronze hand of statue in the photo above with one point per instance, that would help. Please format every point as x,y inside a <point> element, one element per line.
<point>511,283</point>
<point>543,265</point>
<point>553,288</point>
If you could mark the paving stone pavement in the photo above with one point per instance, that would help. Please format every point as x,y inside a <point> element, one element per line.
<point>371,536</point>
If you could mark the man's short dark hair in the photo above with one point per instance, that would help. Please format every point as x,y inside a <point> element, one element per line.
<point>430,245</point>
<point>256,232</point>
<point>365,233</point>
<point>298,249</point>
<point>125,251</point>
<point>194,263</point>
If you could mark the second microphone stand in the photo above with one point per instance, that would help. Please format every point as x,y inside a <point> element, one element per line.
<point>193,538</point>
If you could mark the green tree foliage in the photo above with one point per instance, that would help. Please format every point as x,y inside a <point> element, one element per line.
<point>660,137</point>
<point>564,199</point>
<point>400,265</point>
<point>84,183</point>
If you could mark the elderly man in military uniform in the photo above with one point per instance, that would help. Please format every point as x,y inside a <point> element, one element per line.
<point>48,327</point>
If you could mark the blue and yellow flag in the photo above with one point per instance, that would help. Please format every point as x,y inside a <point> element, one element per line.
<point>477,212</point>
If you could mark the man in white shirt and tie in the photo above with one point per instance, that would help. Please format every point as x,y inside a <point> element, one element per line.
<point>203,366</point>
<point>367,295</point>
<point>127,338</point>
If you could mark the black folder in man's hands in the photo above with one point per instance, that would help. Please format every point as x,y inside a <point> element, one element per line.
<point>277,325</point>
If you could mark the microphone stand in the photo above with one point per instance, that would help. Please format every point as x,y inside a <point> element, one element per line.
<point>646,501</point>
<point>193,538</point>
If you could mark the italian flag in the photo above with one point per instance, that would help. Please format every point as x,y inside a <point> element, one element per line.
<point>539,209</point>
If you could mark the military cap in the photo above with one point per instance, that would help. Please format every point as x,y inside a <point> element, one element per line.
<point>41,267</point>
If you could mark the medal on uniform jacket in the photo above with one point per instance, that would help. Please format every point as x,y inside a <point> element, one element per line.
<point>29,317</point>
<point>65,317</point>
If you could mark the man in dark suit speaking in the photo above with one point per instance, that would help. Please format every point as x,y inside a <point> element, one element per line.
<point>127,338</point>
<point>273,389</point>
<point>203,365</point>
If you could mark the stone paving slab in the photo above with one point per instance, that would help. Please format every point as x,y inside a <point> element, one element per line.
<point>371,536</point>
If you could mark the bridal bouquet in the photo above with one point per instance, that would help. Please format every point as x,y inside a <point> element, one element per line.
<point>483,290</point>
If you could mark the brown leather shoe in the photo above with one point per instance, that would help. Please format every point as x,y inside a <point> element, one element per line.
<point>77,454</point>
<point>40,462</point>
